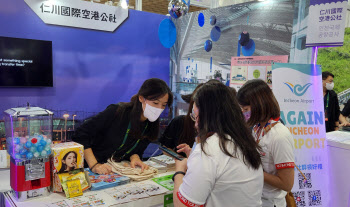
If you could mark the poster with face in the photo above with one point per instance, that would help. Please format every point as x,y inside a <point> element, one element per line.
<point>67,157</point>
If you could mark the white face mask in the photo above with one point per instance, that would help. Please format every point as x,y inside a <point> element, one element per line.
<point>330,86</point>
<point>152,113</point>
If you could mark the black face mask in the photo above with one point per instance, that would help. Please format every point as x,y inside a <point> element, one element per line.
<point>244,39</point>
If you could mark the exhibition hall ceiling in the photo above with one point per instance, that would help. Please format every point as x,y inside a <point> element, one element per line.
<point>153,6</point>
<point>269,25</point>
<point>161,6</point>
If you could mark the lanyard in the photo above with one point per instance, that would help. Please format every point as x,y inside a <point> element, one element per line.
<point>261,131</point>
<point>327,101</point>
<point>126,136</point>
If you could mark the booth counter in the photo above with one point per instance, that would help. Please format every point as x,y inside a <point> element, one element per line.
<point>59,199</point>
<point>338,148</point>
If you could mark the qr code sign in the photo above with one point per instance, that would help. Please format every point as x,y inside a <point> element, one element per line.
<point>299,198</point>
<point>302,183</point>
<point>314,198</point>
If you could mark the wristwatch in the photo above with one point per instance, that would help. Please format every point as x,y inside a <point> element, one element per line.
<point>176,173</point>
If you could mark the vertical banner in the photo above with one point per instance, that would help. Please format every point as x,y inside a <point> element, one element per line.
<point>298,89</point>
<point>253,67</point>
<point>326,23</point>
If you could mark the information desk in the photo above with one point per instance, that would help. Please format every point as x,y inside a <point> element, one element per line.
<point>55,198</point>
<point>338,147</point>
<point>4,184</point>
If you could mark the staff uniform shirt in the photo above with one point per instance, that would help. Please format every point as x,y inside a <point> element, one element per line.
<point>216,180</point>
<point>333,110</point>
<point>277,153</point>
<point>104,133</point>
<point>172,133</point>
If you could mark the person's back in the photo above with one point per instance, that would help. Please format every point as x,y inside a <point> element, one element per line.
<point>225,167</point>
<point>233,182</point>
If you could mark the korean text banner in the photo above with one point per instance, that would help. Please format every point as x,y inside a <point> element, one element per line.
<point>298,89</point>
<point>326,23</point>
<point>253,67</point>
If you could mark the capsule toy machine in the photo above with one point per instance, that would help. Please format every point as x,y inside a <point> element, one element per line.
<point>28,139</point>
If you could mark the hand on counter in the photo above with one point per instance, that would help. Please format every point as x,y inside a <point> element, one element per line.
<point>102,169</point>
<point>136,161</point>
<point>344,124</point>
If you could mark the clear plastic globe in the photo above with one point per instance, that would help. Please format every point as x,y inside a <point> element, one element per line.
<point>177,8</point>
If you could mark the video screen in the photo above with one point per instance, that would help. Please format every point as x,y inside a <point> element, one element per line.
<point>25,63</point>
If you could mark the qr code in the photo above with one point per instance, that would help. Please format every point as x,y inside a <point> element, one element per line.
<point>299,198</point>
<point>314,198</point>
<point>303,184</point>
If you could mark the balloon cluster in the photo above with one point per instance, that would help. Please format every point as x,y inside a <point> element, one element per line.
<point>25,148</point>
<point>178,8</point>
<point>214,34</point>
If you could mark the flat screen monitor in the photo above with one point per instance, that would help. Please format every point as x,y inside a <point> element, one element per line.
<point>25,63</point>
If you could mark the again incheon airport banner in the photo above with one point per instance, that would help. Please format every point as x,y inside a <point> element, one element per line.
<point>298,89</point>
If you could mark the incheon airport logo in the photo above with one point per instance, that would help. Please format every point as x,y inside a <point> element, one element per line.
<point>298,89</point>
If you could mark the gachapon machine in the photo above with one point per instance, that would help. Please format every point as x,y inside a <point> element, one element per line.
<point>28,139</point>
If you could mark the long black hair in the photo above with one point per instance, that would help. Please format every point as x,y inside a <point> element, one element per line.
<point>64,165</point>
<point>220,113</point>
<point>188,133</point>
<point>151,89</point>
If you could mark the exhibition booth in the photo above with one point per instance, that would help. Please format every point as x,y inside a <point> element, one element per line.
<point>64,61</point>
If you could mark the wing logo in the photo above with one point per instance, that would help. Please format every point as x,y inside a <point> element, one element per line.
<point>298,89</point>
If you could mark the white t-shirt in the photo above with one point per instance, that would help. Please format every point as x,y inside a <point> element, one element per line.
<point>219,180</point>
<point>278,153</point>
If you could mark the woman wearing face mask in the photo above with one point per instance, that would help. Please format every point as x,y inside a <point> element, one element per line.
<point>123,131</point>
<point>331,103</point>
<point>262,113</point>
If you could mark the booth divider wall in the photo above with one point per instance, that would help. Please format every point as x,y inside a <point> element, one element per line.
<point>91,69</point>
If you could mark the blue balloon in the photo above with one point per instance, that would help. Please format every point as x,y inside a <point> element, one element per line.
<point>16,140</point>
<point>215,33</point>
<point>208,45</point>
<point>42,142</point>
<point>22,151</point>
<point>201,19</point>
<point>29,155</point>
<point>212,20</point>
<point>167,33</point>
<point>249,49</point>
<point>40,148</point>
<point>28,144</point>
<point>48,152</point>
